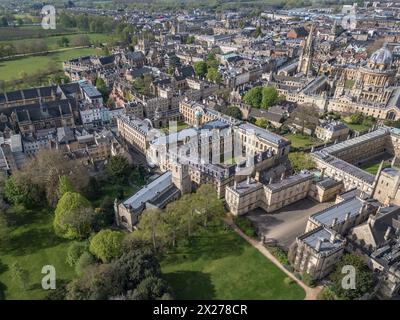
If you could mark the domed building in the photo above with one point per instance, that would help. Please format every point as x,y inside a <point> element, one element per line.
<point>370,88</point>
<point>381,59</point>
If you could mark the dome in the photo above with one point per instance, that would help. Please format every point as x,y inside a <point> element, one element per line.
<point>383,56</point>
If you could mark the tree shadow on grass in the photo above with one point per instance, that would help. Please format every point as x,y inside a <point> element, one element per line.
<point>33,240</point>
<point>188,285</point>
<point>3,289</point>
<point>3,267</point>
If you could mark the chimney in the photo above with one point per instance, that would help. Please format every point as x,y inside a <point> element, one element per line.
<point>323,173</point>
<point>234,185</point>
<point>371,220</point>
<point>282,176</point>
<point>333,237</point>
<point>270,180</point>
<point>387,233</point>
<point>347,217</point>
<point>319,243</point>
<point>334,221</point>
<point>248,180</point>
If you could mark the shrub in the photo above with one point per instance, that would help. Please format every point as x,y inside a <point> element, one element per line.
<point>308,280</point>
<point>85,260</point>
<point>246,226</point>
<point>288,281</point>
<point>279,254</point>
<point>75,250</point>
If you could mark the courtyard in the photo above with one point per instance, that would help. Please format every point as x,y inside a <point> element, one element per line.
<point>287,223</point>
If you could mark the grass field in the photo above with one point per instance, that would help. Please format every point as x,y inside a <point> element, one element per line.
<point>31,32</point>
<point>218,264</point>
<point>33,245</point>
<point>52,41</point>
<point>373,168</point>
<point>300,141</point>
<point>11,69</point>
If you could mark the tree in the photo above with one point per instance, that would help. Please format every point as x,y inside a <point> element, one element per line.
<point>261,122</point>
<point>301,161</point>
<point>3,22</point>
<point>20,189</point>
<point>212,61</point>
<point>4,230</point>
<point>152,227</point>
<point>200,68</point>
<point>305,116</point>
<point>233,112</point>
<point>269,97</point>
<point>74,216</point>
<point>106,245</point>
<point>19,275</point>
<point>206,202</point>
<point>75,251</point>
<point>46,168</point>
<point>363,278</point>
<point>116,279</point>
<point>81,40</point>
<point>172,219</point>
<point>105,213</point>
<point>151,288</point>
<point>85,260</point>
<point>63,42</point>
<point>65,185</point>
<point>253,97</point>
<point>213,75</point>
<point>117,168</point>
<point>190,40</point>
<point>102,87</point>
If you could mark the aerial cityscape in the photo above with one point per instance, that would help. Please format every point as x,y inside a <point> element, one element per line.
<point>211,150</point>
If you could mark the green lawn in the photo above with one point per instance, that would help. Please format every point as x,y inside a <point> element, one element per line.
<point>179,126</point>
<point>218,264</point>
<point>10,69</point>
<point>52,41</point>
<point>301,141</point>
<point>33,245</point>
<point>373,168</point>
<point>357,127</point>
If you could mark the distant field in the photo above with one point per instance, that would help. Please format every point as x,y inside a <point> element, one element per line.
<point>10,70</point>
<point>30,32</point>
<point>52,41</point>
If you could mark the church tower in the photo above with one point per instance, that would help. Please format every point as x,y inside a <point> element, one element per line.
<point>305,62</point>
<point>181,177</point>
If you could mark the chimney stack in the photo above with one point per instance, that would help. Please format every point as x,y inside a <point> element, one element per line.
<point>282,176</point>
<point>248,180</point>
<point>270,180</point>
<point>333,237</point>
<point>347,217</point>
<point>319,243</point>
<point>387,233</point>
<point>323,173</point>
<point>334,221</point>
<point>234,185</point>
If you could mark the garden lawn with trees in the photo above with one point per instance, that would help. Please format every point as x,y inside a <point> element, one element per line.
<point>33,245</point>
<point>216,263</point>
